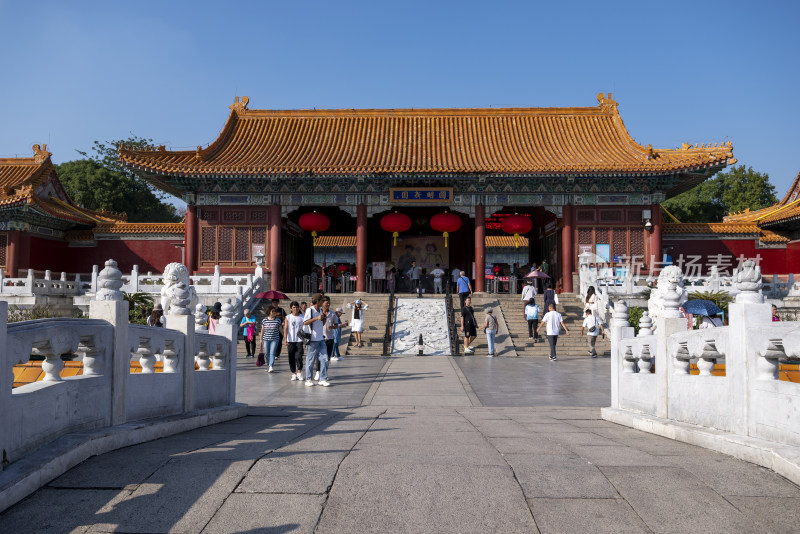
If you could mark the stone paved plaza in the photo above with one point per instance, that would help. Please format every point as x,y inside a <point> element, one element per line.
<point>430,444</point>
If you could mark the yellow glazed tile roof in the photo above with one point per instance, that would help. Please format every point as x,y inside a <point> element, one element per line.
<point>724,228</point>
<point>574,140</point>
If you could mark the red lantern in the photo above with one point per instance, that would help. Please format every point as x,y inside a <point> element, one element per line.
<point>314,222</point>
<point>446,222</point>
<point>395,222</point>
<point>342,267</point>
<point>516,224</point>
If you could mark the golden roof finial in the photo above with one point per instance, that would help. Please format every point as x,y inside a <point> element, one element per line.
<point>40,153</point>
<point>239,106</point>
<point>606,102</point>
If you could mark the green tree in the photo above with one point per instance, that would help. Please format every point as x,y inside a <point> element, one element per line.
<point>728,192</point>
<point>100,182</point>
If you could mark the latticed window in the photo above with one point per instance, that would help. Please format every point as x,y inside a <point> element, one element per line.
<point>637,243</point>
<point>620,241</point>
<point>242,252</point>
<point>3,247</point>
<point>584,236</point>
<point>225,244</point>
<point>208,236</point>
<point>611,216</point>
<point>229,245</point>
<point>601,235</point>
<point>259,236</point>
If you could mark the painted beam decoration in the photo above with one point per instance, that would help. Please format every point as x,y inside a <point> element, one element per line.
<point>424,195</point>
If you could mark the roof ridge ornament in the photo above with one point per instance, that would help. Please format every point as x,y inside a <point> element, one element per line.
<point>40,153</point>
<point>239,106</point>
<point>606,102</point>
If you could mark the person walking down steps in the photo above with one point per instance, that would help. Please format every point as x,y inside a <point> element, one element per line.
<point>594,328</point>
<point>553,321</point>
<point>490,329</point>
<point>468,325</point>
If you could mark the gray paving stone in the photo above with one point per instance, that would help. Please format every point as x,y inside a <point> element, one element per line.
<point>502,429</point>
<point>617,455</point>
<point>51,511</point>
<point>182,496</point>
<point>557,427</point>
<point>580,438</point>
<point>777,515</point>
<point>394,498</point>
<point>729,476</point>
<point>266,514</point>
<point>580,516</point>
<point>310,472</point>
<point>559,476</point>
<point>531,444</point>
<point>442,453</point>
<point>669,499</point>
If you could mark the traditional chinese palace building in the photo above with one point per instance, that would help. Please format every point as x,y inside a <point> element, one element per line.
<point>576,172</point>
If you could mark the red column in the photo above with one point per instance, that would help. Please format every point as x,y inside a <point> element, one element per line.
<point>655,238</point>
<point>275,264</point>
<point>12,262</point>
<point>480,247</point>
<point>190,241</point>
<point>361,249</point>
<point>568,252</point>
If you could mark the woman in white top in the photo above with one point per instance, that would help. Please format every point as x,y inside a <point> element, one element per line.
<point>591,301</point>
<point>294,345</point>
<point>357,318</point>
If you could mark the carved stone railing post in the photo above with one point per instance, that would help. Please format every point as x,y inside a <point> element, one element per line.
<point>30,282</point>
<point>628,360</point>
<point>227,313</point>
<point>620,329</point>
<point>92,365</point>
<point>135,279</point>
<point>706,352</point>
<point>110,306</point>
<point>147,357</point>
<point>683,359</point>
<point>748,314</point>
<point>645,359</point>
<point>215,281</point>
<point>185,325</point>
<point>170,353</point>
<point>200,319</point>
<point>219,357</point>
<point>228,357</point>
<point>203,360</point>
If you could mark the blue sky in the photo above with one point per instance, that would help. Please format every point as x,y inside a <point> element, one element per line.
<point>73,72</point>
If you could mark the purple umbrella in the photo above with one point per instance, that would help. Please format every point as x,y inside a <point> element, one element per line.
<point>536,274</point>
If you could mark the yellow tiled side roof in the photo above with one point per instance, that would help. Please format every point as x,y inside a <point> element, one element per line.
<point>725,228</point>
<point>572,140</point>
<point>139,228</point>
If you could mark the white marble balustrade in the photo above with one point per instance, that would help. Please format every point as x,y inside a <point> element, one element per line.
<point>747,411</point>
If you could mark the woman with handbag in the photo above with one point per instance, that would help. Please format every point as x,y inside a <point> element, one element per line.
<point>292,328</point>
<point>248,324</point>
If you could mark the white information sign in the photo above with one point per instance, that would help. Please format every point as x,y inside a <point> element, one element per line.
<point>379,270</point>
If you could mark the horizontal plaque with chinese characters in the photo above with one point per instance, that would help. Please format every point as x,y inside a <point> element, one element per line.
<point>421,195</point>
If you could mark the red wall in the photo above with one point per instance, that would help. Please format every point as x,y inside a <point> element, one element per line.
<point>773,260</point>
<point>149,255</point>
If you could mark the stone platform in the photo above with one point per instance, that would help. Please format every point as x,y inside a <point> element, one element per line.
<point>416,444</point>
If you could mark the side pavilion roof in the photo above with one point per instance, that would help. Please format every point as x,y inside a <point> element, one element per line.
<point>579,141</point>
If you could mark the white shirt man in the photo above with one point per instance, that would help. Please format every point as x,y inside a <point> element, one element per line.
<point>437,273</point>
<point>594,327</point>
<point>554,322</point>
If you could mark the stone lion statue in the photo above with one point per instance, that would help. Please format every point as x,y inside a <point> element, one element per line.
<point>669,276</point>
<point>177,296</point>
